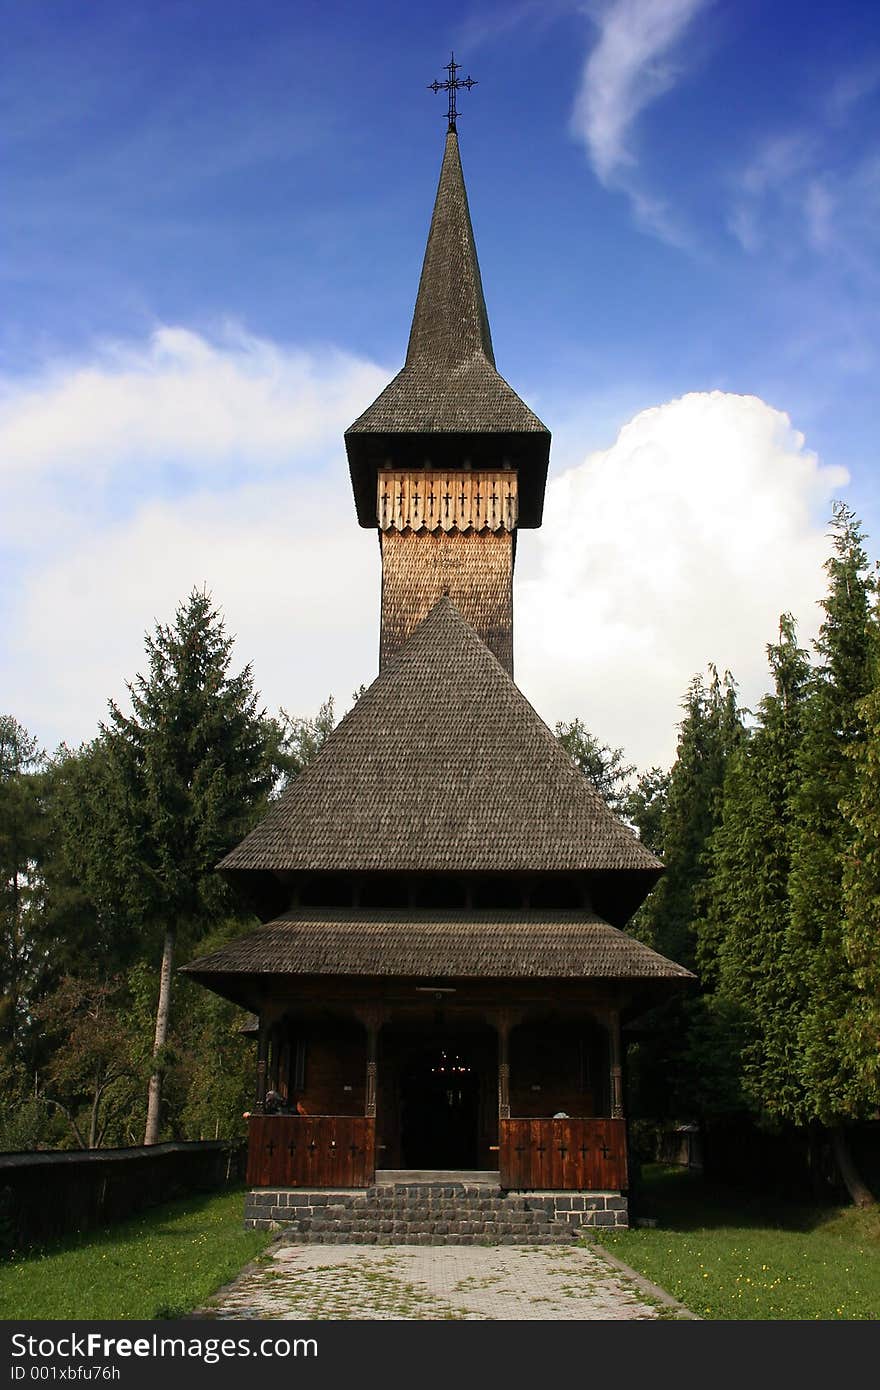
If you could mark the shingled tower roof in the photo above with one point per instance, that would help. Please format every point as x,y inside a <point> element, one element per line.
<point>443,766</point>
<point>449,385</point>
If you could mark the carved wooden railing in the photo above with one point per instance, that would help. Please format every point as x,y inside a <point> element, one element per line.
<point>311,1151</point>
<point>575,1154</point>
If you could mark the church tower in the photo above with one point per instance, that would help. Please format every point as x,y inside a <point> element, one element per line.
<point>448,462</point>
<point>441,975</point>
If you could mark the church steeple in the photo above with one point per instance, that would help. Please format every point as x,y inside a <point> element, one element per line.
<point>450,322</point>
<point>448,461</point>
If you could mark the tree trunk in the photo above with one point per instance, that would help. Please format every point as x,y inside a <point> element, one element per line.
<point>859,1193</point>
<point>163,1008</point>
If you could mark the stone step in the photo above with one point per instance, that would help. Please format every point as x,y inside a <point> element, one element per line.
<point>337,1237</point>
<point>440,1214</point>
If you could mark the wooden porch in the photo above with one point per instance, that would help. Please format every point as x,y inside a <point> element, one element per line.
<point>578,1153</point>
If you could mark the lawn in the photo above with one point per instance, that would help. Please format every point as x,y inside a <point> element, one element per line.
<point>161,1263</point>
<point>729,1255</point>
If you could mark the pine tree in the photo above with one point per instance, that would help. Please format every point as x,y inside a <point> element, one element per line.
<point>604,766</point>
<point>673,1070</point>
<point>860,1026</point>
<point>833,1090</point>
<point>743,934</point>
<point>709,732</point>
<point>22,841</point>
<point>181,780</point>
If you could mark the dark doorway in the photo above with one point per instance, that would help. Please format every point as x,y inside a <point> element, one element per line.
<point>439,1089</point>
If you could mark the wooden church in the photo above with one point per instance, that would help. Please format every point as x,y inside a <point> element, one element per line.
<point>443,972</point>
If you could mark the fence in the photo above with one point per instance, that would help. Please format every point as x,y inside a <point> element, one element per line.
<point>43,1195</point>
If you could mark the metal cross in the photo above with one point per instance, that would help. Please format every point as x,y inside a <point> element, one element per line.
<point>451,85</point>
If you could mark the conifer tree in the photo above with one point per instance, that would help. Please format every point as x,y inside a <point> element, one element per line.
<point>742,948</point>
<point>709,732</point>
<point>21,845</point>
<point>606,767</point>
<point>185,775</point>
<point>832,1081</point>
<point>861,898</point>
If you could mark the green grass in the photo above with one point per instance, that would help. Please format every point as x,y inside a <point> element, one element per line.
<point>729,1255</point>
<point>161,1263</point>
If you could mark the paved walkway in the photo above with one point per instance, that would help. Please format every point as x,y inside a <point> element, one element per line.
<point>438,1282</point>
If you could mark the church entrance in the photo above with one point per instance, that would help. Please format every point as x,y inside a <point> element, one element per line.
<point>440,1109</point>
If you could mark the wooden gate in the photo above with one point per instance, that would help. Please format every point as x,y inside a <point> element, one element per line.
<point>311,1151</point>
<point>576,1154</point>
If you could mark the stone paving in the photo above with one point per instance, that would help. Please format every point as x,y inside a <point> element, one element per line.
<point>438,1282</point>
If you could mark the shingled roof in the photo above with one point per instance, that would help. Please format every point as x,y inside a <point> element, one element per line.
<point>442,765</point>
<point>426,944</point>
<point>449,384</point>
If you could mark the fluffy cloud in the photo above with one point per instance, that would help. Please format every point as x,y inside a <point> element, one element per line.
<point>155,467</point>
<point>679,545</point>
<point>184,462</point>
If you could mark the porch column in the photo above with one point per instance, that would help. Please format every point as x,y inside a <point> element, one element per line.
<point>372,1021</point>
<point>616,1069</point>
<point>262,1061</point>
<point>503,1026</point>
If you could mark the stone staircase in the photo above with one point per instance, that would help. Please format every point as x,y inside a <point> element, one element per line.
<point>432,1212</point>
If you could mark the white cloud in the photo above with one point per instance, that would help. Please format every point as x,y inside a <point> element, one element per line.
<point>183,401</point>
<point>631,64</point>
<point>629,67</point>
<point>155,467</point>
<point>679,545</point>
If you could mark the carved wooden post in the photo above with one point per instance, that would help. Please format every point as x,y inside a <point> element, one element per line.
<point>503,1025</point>
<point>262,1059</point>
<point>616,1069</point>
<point>372,1020</point>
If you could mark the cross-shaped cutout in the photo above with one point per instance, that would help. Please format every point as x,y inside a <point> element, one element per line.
<point>604,1149</point>
<point>312,1146</point>
<point>563,1149</point>
<point>353,1149</point>
<point>291,1148</point>
<point>270,1147</point>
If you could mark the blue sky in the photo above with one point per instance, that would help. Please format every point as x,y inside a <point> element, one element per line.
<point>214,218</point>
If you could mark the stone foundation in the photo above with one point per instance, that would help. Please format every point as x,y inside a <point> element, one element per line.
<point>433,1214</point>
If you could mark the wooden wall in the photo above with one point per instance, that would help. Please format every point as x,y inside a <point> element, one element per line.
<point>577,1155</point>
<point>556,1067</point>
<point>475,568</point>
<point>335,1066</point>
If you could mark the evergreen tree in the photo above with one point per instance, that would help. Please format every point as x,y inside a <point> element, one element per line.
<point>604,766</point>
<point>22,843</point>
<point>709,732</point>
<point>861,897</point>
<point>179,781</point>
<point>672,1069</point>
<point>742,937</point>
<point>833,1087</point>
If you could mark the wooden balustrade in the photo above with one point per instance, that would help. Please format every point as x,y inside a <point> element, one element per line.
<point>574,1154</point>
<point>311,1151</point>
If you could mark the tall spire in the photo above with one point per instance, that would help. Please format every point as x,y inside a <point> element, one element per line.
<point>450,322</point>
<point>449,406</point>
